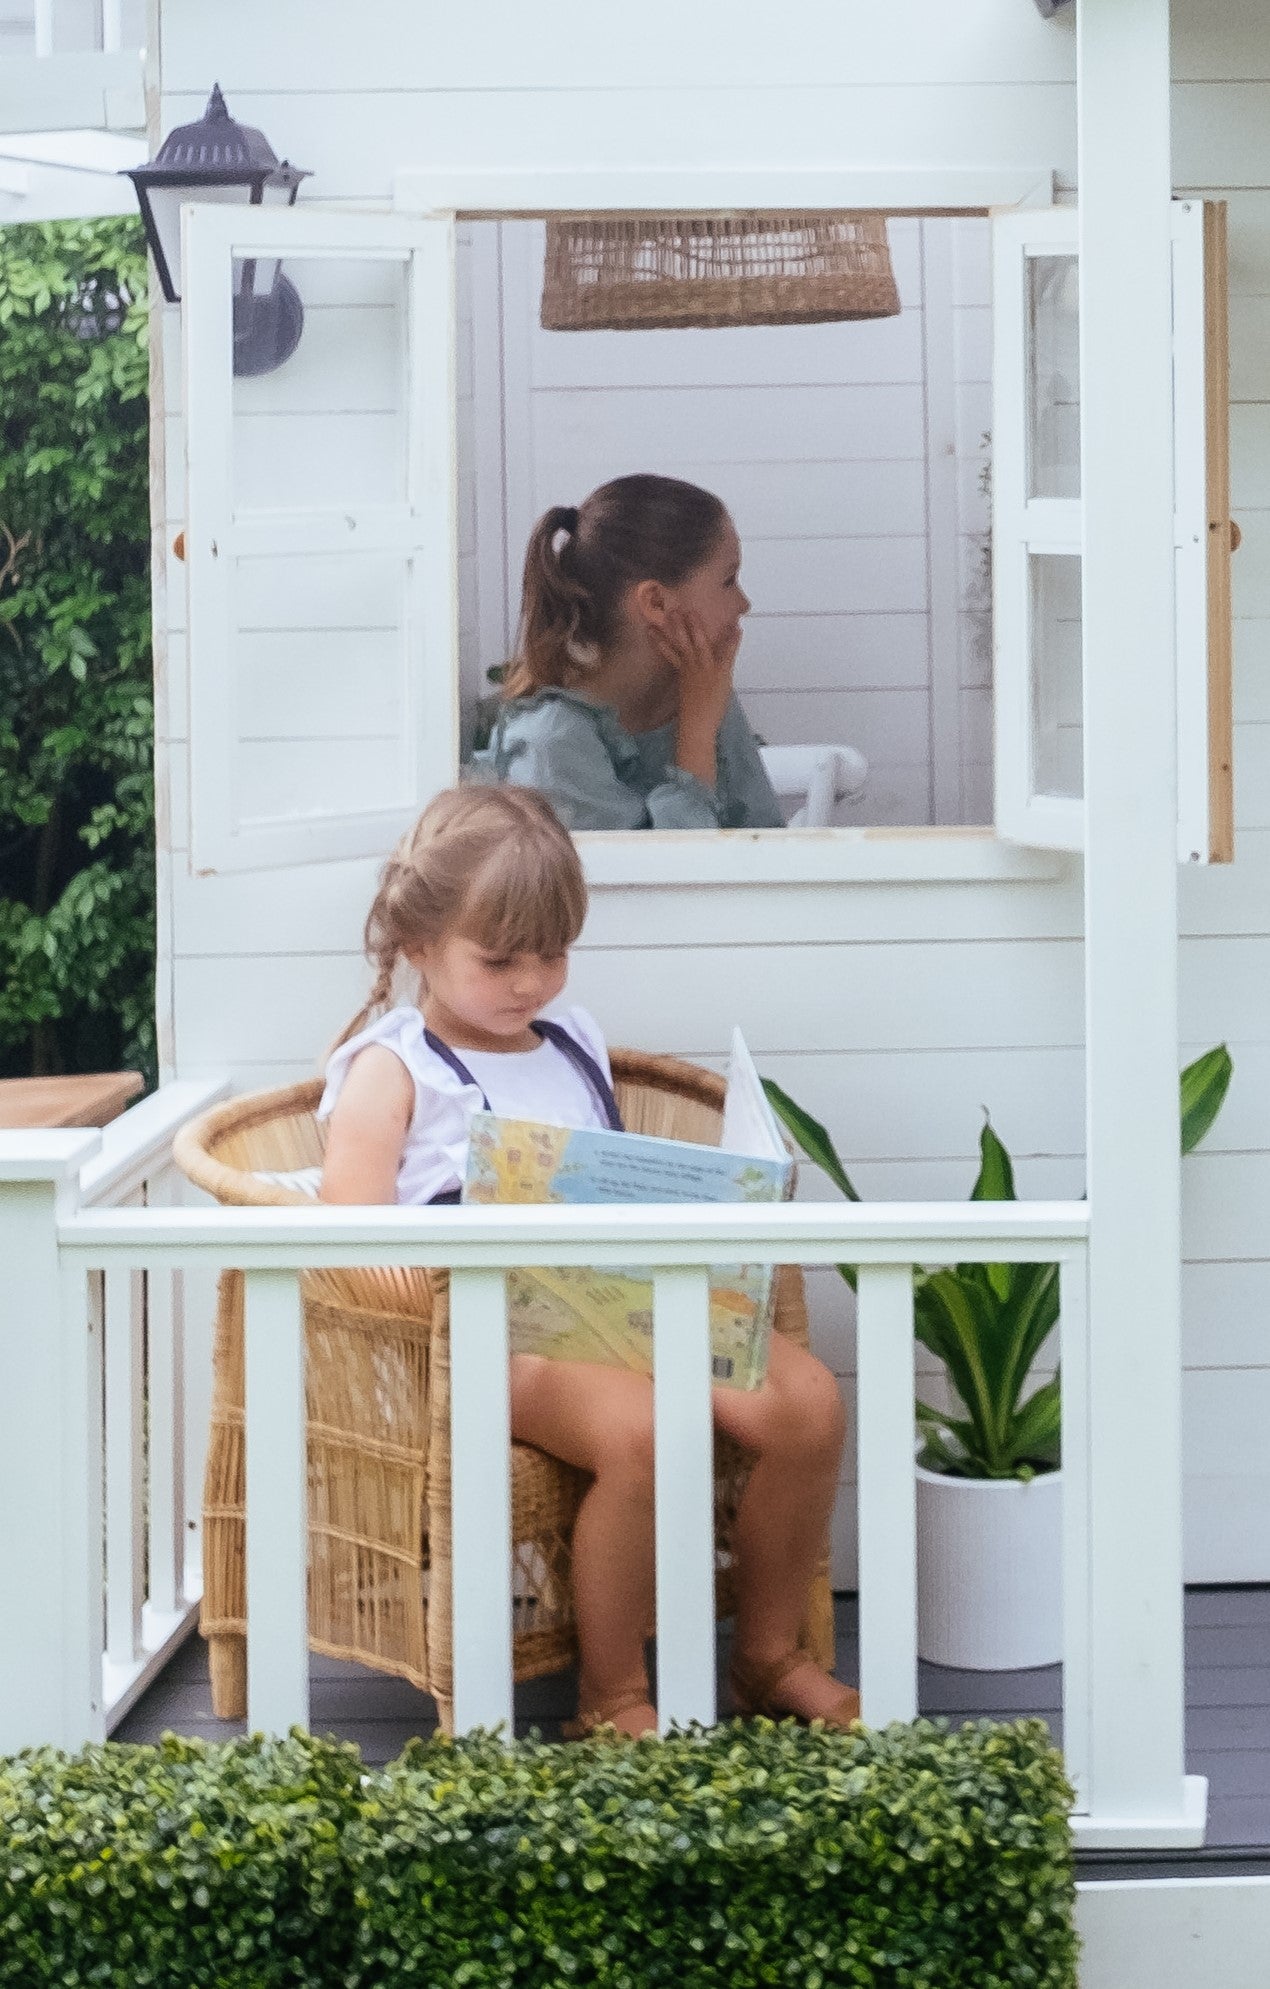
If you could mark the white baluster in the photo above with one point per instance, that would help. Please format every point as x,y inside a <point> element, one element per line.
<point>166,1432</point>
<point>125,1462</point>
<point>277,1504</point>
<point>1074,1350</point>
<point>684,1497</point>
<point>111,26</point>
<point>887,1493</point>
<point>198,1322</point>
<point>44,27</point>
<point>480,1482</point>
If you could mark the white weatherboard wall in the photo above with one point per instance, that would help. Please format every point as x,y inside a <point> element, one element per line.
<point>894,1012</point>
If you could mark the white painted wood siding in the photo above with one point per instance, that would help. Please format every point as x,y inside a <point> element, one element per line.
<point>894,1012</point>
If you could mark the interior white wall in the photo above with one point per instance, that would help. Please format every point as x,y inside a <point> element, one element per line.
<point>895,1012</point>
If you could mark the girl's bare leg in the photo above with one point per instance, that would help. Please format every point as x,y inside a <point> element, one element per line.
<point>794,1426</point>
<point>601,1420</point>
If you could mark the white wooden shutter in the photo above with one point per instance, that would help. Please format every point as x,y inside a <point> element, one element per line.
<point>1037,527</point>
<point>320,539</point>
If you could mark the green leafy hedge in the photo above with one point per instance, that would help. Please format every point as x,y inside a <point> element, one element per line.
<point>76,719</point>
<point>747,1855</point>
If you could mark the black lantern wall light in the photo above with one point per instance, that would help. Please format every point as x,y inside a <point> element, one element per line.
<point>219,159</point>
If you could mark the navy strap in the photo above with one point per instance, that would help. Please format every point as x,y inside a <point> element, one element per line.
<point>552,1032</point>
<point>586,1066</point>
<point>456,1063</point>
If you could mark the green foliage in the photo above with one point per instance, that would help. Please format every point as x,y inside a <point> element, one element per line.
<point>748,1855</point>
<point>76,720</point>
<point>166,1867</point>
<point>988,1322</point>
<point>1204,1087</point>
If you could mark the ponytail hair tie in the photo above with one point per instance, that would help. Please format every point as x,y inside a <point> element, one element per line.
<point>567,519</point>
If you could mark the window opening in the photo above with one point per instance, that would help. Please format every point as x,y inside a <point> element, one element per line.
<point>854,458</point>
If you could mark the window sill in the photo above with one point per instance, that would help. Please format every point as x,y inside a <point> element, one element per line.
<point>812,856</point>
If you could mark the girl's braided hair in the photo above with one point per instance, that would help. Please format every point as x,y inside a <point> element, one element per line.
<point>491,863</point>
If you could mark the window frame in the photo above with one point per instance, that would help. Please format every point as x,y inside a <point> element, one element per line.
<point>904,854</point>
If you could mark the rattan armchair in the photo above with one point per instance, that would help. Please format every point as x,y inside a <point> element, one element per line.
<point>378,1406</point>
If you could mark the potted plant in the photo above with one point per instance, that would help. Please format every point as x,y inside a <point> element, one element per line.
<point>988,1483</point>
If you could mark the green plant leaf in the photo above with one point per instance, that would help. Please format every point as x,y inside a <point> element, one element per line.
<point>956,1321</point>
<point>1204,1085</point>
<point>995,1180</point>
<point>1036,1429</point>
<point>1029,1314</point>
<point>810,1135</point>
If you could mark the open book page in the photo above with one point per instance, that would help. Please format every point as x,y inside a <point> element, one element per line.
<point>605,1314</point>
<point>749,1124</point>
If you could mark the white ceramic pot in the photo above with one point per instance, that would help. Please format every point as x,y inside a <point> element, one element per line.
<point>989,1571</point>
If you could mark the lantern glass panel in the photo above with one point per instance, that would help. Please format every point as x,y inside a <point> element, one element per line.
<point>166,203</point>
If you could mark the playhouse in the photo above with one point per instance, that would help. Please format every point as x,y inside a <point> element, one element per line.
<point>988,539</point>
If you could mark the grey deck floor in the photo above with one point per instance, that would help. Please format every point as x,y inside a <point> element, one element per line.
<point>1227,1703</point>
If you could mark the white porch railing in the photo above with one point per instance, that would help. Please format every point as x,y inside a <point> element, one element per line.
<point>62,1243</point>
<point>132,1424</point>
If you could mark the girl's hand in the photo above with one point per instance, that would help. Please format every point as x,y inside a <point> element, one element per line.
<point>704,671</point>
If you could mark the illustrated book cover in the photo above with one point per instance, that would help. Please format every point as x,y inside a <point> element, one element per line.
<point>606,1314</point>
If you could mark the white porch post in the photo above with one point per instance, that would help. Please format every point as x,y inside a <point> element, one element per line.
<point>1135,1765</point>
<point>50,1456</point>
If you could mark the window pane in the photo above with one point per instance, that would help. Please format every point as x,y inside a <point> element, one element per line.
<point>1053,377</point>
<point>328,428</point>
<point>1057,735</point>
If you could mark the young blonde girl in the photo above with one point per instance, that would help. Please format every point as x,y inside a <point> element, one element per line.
<point>618,704</point>
<point>483,900</point>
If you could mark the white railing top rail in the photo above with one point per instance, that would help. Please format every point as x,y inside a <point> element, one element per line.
<point>139,1143</point>
<point>493,1238</point>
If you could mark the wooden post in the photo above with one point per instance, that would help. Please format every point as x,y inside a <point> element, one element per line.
<point>1135,1764</point>
<point>50,1450</point>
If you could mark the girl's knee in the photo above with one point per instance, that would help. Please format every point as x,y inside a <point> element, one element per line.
<point>809,1420</point>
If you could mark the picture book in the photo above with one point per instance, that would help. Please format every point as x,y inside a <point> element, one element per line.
<point>606,1315</point>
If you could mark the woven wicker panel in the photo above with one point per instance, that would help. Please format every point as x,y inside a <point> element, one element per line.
<point>378,1408</point>
<point>679,272</point>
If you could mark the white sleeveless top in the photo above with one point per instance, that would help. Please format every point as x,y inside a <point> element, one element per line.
<point>537,1084</point>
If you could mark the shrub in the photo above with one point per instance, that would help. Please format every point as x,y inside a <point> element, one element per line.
<point>182,1864</point>
<point>750,1854</point>
<point>76,721</point>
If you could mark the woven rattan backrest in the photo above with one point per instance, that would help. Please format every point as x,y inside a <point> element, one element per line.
<point>271,1131</point>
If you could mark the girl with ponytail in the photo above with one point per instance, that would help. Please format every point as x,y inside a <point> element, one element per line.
<point>618,704</point>
<point>482,901</point>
